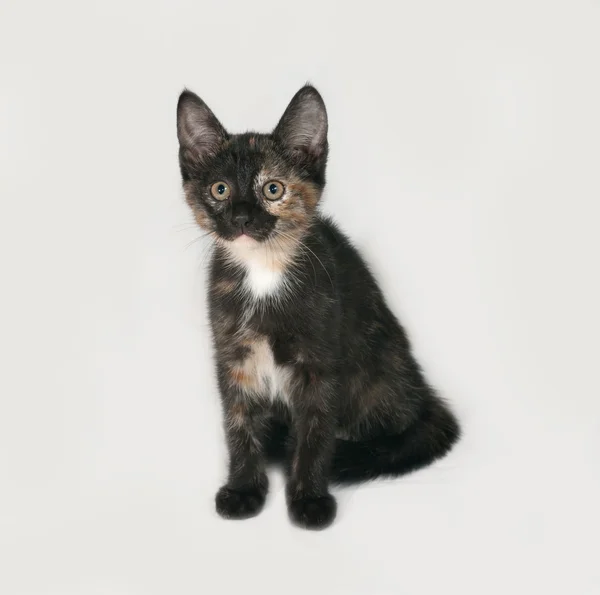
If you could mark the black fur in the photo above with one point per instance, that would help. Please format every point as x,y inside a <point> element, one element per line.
<point>353,404</point>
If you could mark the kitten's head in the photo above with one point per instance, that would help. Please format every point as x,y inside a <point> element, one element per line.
<point>253,188</point>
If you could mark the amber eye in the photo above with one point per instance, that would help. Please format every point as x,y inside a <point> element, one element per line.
<point>273,190</point>
<point>220,191</point>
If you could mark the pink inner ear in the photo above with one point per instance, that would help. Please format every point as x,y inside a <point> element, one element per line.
<point>252,141</point>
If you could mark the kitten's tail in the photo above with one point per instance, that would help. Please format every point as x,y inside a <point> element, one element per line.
<point>429,438</point>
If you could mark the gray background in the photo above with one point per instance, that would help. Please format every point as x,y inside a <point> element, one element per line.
<point>469,129</point>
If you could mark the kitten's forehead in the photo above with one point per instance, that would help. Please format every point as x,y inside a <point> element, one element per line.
<point>253,153</point>
<point>252,141</point>
<point>252,148</point>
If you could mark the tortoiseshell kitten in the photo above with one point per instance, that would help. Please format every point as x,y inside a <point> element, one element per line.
<point>314,369</point>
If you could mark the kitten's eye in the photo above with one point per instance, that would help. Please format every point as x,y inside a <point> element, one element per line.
<point>273,190</point>
<point>220,190</point>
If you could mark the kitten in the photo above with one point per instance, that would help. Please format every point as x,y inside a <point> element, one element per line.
<point>314,369</point>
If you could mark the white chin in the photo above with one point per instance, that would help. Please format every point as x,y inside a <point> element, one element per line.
<point>244,240</point>
<point>243,243</point>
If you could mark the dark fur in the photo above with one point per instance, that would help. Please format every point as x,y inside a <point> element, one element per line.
<point>357,406</point>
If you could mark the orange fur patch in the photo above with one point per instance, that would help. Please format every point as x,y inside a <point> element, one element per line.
<point>225,286</point>
<point>307,191</point>
<point>241,377</point>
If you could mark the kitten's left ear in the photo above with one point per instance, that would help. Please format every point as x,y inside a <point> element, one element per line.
<point>200,133</point>
<point>303,126</point>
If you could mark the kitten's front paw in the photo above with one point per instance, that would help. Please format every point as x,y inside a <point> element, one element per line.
<point>240,503</point>
<point>312,512</point>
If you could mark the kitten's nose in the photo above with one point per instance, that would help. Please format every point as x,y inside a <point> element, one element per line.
<point>241,215</point>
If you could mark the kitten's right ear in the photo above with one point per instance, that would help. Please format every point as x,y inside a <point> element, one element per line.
<point>200,133</point>
<point>303,126</point>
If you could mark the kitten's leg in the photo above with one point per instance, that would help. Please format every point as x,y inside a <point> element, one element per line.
<point>276,442</point>
<point>309,502</point>
<point>245,492</point>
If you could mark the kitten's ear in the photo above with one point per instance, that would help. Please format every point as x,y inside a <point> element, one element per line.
<point>303,126</point>
<point>200,133</point>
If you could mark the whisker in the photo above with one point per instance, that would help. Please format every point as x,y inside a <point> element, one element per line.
<point>301,243</point>
<point>200,237</point>
<point>190,226</point>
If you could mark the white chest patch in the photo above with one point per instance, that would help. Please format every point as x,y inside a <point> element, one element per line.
<point>273,379</point>
<point>262,280</point>
<point>264,269</point>
<point>260,376</point>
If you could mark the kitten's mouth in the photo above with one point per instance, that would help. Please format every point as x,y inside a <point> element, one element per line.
<point>240,232</point>
<point>242,236</point>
